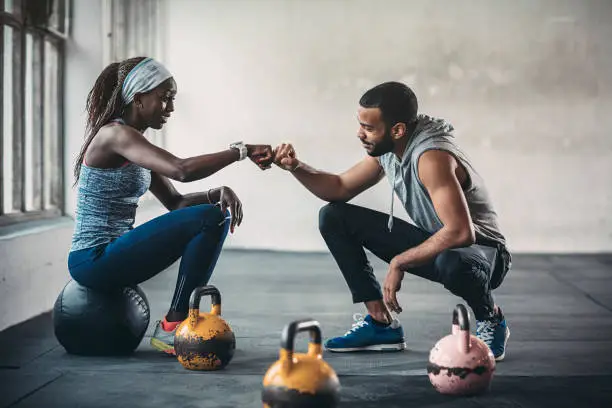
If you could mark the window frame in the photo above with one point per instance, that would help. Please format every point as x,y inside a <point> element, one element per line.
<point>41,34</point>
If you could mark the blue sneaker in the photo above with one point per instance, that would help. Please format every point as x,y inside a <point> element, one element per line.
<point>365,335</point>
<point>495,334</point>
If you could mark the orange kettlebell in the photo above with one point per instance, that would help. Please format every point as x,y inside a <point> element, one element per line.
<point>204,341</point>
<point>301,380</point>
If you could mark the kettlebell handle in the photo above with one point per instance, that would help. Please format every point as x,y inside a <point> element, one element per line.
<point>461,319</point>
<point>291,331</point>
<point>194,303</point>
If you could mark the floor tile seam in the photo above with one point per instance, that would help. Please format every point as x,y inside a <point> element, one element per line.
<point>23,397</point>
<point>33,359</point>
<point>584,293</point>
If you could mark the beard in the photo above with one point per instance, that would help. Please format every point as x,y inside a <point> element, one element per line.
<point>382,147</point>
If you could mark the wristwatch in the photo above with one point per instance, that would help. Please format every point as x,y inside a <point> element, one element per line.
<point>242,149</point>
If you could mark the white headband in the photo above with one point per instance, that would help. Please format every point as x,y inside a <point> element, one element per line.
<point>142,78</point>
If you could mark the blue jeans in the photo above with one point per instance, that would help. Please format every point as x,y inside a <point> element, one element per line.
<point>194,234</point>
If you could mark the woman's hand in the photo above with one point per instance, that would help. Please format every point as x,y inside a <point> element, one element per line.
<point>229,200</point>
<point>261,155</point>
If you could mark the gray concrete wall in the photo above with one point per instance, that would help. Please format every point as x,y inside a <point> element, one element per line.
<point>527,84</point>
<point>33,267</point>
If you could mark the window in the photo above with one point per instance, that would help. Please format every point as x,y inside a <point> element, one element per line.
<point>134,28</point>
<point>33,35</point>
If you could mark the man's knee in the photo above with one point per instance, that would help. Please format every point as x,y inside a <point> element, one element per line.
<point>447,265</point>
<point>457,274</point>
<point>331,217</point>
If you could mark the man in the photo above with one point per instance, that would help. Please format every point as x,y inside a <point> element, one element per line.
<point>456,240</point>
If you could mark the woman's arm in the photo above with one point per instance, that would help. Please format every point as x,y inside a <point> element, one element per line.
<point>132,145</point>
<point>163,189</point>
<point>165,192</point>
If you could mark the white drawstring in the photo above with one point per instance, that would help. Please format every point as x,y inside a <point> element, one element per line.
<point>396,162</point>
<point>390,222</point>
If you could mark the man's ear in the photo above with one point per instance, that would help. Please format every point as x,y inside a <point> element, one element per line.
<point>398,131</point>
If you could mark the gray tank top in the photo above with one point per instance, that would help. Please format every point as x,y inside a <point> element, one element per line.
<point>106,203</point>
<point>434,133</point>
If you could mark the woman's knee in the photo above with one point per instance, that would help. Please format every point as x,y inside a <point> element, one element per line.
<point>219,222</point>
<point>210,215</point>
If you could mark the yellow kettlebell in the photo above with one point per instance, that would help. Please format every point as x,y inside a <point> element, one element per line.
<point>301,380</point>
<point>204,341</point>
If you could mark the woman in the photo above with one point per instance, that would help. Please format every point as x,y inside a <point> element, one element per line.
<point>117,165</point>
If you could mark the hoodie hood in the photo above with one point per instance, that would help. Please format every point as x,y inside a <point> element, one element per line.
<point>427,128</point>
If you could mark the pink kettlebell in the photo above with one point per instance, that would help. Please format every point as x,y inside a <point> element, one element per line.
<point>461,363</point>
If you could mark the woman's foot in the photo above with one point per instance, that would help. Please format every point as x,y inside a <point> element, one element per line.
<point>163,336</point>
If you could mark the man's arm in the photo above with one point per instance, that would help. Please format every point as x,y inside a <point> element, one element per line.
<point>327,186</point>
<point>438,171</point>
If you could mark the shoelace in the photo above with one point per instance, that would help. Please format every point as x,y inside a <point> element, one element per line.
<point>359,323</point>
<point>485,331</point>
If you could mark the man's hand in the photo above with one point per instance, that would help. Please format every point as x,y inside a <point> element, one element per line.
<point>229,199</point>
<point>393,283</point>
<point>261,155</point>
<point>285,157</point>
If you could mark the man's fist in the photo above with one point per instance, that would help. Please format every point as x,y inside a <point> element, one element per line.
<point>285,157</point>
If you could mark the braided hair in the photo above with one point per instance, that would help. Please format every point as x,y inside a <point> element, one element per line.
<point>104,102</point>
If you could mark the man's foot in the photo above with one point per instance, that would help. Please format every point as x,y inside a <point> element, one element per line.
<point>163,336</point>
<point>495,334</point>
<point>368,335</point>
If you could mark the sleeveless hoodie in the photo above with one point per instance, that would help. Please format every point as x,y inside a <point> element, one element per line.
<point>435,133</point>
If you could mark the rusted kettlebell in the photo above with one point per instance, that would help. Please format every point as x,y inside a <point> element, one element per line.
<point>300,380</point>
<point>204,341</point>
<point>461,363</point>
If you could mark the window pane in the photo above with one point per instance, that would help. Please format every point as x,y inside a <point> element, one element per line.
<point>18,163</point>
<point>29,125</point>
<point>119,38</point>
<point>13,7</point>
<point>132,27</point>
<point>7,116</point>
<point>54,19</point>
<point>32,114</point>
<point>51,159</point>
<point>142,39</point>
<point>58,15</point>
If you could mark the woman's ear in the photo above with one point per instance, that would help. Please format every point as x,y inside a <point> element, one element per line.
<point>138,101</point>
